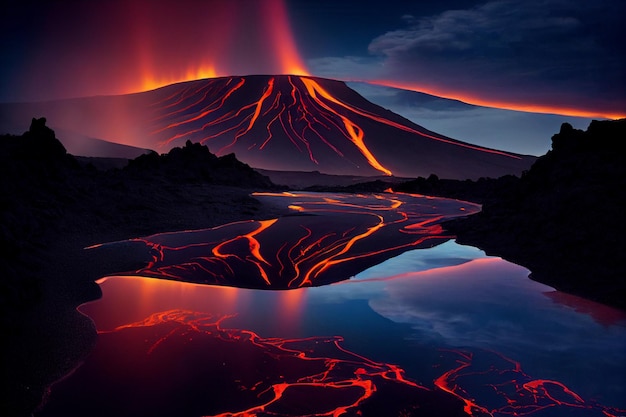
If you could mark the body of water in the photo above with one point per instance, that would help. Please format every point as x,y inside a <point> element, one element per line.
<point>390,330</point>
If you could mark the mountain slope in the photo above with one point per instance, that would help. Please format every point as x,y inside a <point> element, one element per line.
<point>281,122</point>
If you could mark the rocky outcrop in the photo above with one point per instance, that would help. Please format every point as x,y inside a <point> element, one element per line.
<point>564,218</point>
<point>194,163</point>
<point>43,189</point>
<point>51,207</point>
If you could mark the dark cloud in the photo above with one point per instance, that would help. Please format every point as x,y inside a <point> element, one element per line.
<point>554,53</point>
<point>548,52</point>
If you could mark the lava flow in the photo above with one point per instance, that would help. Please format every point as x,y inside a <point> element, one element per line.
<point>182,362</point>
<point>288,104</point>
<point>346,235</point>
<point>290,122</point>
<point>277,122</point>
<point>490,384</point>
<point>221,372</point>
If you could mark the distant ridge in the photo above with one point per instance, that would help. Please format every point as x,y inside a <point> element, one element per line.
<point>303,180</point>
<point>286,123</point>
<point>80,145</point>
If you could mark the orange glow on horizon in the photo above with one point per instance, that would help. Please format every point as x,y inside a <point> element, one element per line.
<point>282,38</point>
<point>272,24</point>
<point>152,81</point>
<point>504,105</point>
<point>357,134</point>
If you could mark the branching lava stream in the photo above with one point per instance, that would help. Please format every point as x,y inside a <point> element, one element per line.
<point>162,359</point>
<point>331,238</point>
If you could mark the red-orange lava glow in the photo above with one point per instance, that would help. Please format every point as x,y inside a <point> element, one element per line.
<point>297,110</point>
<point>268,32</point>
<point>346,235</point>
<point>317,373</point>
<point>505,105</point>
<point>490,384</point>
<point>277,25</point>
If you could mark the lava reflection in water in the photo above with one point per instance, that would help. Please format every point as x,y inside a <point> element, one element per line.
<point>440,331</point>
<point>338,236</point>
<point>168,348</point>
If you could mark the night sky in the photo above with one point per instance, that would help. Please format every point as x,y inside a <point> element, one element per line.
<point>565,54</point>
<point>563,57</point>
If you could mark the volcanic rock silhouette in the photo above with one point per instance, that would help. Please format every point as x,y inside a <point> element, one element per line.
<point>289,123</point>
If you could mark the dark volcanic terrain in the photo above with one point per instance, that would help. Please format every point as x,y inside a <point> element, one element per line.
<point>286,123</point>
<point>52,206</point>
<point>563,219</point>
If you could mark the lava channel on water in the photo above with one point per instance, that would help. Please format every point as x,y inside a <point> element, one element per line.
<point>490,384</point>
<point>333,238</point>
<point>186,363</point>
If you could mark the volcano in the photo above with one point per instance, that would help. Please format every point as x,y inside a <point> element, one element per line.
<point>275,122</point>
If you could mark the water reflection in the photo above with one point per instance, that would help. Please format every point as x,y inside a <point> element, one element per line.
<point>181,362</point>
<point>490,304</point>
<point>340,235</point>
<point>474,328</point>
<point>443,330</point>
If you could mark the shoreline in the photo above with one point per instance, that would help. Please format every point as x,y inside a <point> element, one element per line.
<point>55,209</point>
<point>50,337</point>
<point>58,328</point>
